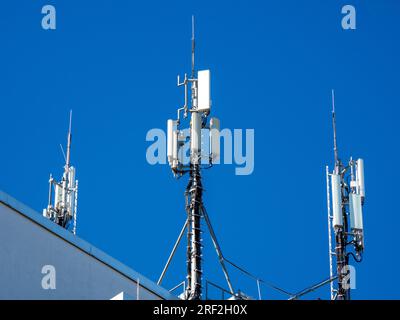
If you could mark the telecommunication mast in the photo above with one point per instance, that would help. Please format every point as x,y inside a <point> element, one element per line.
<point>203,146</point>
<point>345,200</point>
<point>62,209</point>
<point>202,142</point>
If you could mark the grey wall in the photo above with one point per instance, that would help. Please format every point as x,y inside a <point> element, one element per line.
<point>26,246</point>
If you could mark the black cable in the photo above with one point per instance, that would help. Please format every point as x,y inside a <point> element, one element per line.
<point>313,287</point>
<point>354,257</point>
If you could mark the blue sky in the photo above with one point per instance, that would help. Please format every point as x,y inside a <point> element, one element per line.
<point>273,67</point>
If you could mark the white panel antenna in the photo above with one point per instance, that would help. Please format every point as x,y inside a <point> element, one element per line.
<point>215,139</point>
<point>171,127</point>
<point>175,146</point>
<point>337,201</point>
<point>195,137</point>
<point>204,102</point>
<point>360,178</point>
<point>356,219</point>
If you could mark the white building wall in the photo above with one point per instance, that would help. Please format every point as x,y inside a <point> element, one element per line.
<point>82,271</point>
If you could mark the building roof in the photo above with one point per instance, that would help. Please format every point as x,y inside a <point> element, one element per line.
<point>84,246</point>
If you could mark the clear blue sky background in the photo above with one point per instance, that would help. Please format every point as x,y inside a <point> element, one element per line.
<point>273,65</point>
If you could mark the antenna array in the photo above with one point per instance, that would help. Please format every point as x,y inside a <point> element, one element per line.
<point>63,208</point>
<point>200,132</point>
<point>345,199</point>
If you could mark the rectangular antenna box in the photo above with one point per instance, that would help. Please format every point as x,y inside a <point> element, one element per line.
<point>204,102</point>
<point>336,201</point>
<point>356,219</point>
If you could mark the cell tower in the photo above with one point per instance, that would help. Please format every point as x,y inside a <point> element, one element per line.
<point>345,199</point>
<point>64,207</point>
<point>203,146</point>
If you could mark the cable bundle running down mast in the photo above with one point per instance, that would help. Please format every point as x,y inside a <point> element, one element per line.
<point>64,207</point>
<point>203,144</point>
<point>347,195</point>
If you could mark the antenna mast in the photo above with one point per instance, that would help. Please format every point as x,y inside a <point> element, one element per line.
<point>194,193</point>
<point>69,139</point>
<point>335,149</point>
<point>193,47</point>
<point>199,109</point>
<point>63,209</point>
<point>346,202</point>
<point>202,155</point>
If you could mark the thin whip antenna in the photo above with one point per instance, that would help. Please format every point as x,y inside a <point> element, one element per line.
<point>63,153</point>
<point>67,162</point>
<point>335,149</point>
<point>70,121</point>
<point>193,46</point>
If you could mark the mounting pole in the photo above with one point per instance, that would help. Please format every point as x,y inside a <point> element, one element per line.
<point>340,231</point>
<point>193,47</point>
<point>65,180</point>
<point>335,149</point>
<point>68,159</point>
<point>194,192</point>
<point>329,232</point>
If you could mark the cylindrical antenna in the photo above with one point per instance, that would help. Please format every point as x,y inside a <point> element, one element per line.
<point>66,183</point>
<point>193,47</point>
<point>335,149</point>
<point>360,178</point>
<point>50,191</point>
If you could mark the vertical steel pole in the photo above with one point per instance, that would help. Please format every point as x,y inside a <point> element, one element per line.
<point>188,246</point>
<point>195,213</point>
<point>329,230</point>
<point>341,256</point>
